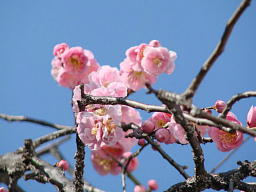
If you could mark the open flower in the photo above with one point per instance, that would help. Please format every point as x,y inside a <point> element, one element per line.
<point>100,127</point>
<point>227,141</point>
<point>158,60</point>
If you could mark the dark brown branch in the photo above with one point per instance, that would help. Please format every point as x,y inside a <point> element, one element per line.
<point>198,156</point>
<point>12,118</point>
<point>235,99</point>
<point>220,181</point>
<point>190,92</point>
<point>79,167</point>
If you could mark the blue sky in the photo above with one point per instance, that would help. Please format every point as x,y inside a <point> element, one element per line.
<point>30,29</point>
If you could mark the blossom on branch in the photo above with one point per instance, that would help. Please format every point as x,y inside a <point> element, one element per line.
<point>227,141</point>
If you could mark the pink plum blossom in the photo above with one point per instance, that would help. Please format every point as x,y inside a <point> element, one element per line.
<point>152,184</point>
<point>160,119</point>
<point>74,60</point>
<point>71,66</point>
<point>63,164</point>
<point>251,117</point>
<point>104,164</point>
<point>100,127</point>
<point>134,76</point>
<point>139,188</point>
<point>219,106</point>
<point>135,54</point>
<point>133,164</point>
<point>105,75</point>
<point>158,60</point>
<point>130,115</point>
<point>59,49</point>
<point>177,132</point>
<point>227,141</point>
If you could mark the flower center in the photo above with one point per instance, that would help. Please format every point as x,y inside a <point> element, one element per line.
<point>101,111</point>
<point>110,125</point>
<point>161,123</point>
<point>228,137</point>
<point>157,61</point>
<point>104,163</point>
<point>74,60</point>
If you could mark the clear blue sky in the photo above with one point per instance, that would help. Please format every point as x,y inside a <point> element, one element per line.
<point>30,29</point>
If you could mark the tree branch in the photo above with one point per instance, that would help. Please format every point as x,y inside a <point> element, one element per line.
<point>220,181</point>
<point>235,99</point>
<point>13,118</point>
<point>168,158</point>
<point>190,92</point>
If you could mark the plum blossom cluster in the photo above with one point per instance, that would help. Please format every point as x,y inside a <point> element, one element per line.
<point>99,126</point>
<point>143,64</point>
<point>71,66</point>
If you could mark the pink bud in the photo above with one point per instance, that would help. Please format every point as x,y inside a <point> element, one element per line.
<point>141,142</point>
<point>59,49</point>
<point>63,164</point>
<point>148,126</point>
<point>2,189</point>
<point>154,43</point>
<point>139,188</point>
<point>162,135</point>
<point>251,117</point>
<point>153,184</point>
<point>219,106</point>
<point>133,163</point>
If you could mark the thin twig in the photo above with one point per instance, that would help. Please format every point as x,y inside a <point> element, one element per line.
<point>228,156</point>
<point>168,158</point>
<point>41,140</point>
<point>190,92</point>
<point>13,118</point>
<point>135,154</point>
<point>235,99</point>
<point>48,148</point>
<point>123,180</point>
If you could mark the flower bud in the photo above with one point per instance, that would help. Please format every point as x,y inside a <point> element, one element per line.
<point>219,106</point>
<point>141,142</point>
<point>148,126</point>
<point>162,135</point>
<point>63,164</point>
<point>251,117</point>
<point>139,188</point>
<point>153,184</point>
